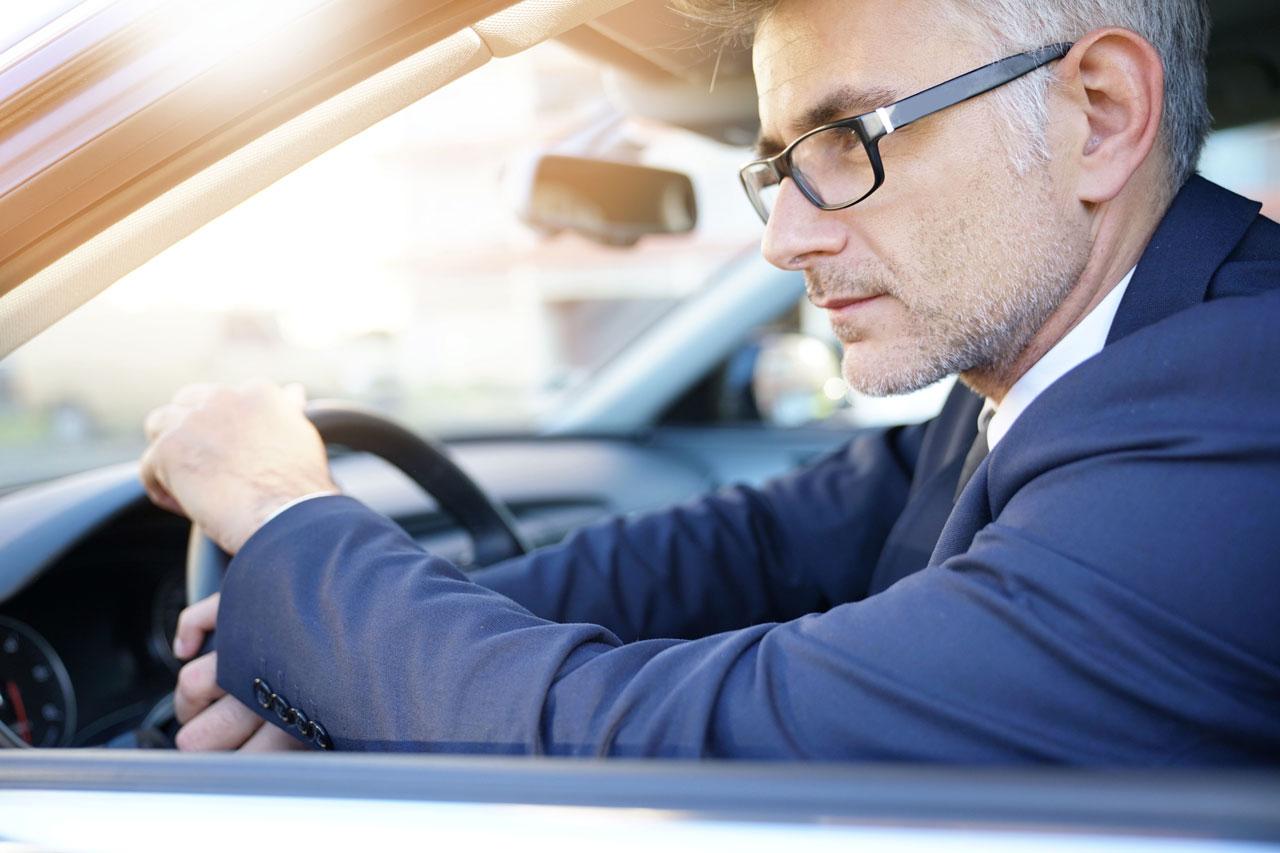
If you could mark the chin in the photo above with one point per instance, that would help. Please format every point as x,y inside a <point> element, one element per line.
<point>878,370</point>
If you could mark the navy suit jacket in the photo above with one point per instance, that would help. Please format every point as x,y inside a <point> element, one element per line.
<point>1105,590</point>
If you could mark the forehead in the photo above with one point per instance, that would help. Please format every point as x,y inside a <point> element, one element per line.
<point>811,52</point>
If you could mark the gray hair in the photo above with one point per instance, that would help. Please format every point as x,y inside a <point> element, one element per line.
<point>1178,29</point>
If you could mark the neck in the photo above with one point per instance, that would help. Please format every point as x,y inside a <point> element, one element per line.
<point>1121,230</point>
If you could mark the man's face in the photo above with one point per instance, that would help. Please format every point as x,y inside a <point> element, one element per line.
<point>956,262</point>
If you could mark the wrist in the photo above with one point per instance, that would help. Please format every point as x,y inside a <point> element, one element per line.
<point>266,507</point>
<point>283,508</point>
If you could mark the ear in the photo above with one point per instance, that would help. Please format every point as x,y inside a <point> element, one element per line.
<point>1115,83</point>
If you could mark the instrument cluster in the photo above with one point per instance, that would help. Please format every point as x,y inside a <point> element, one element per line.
<point>37,700</point>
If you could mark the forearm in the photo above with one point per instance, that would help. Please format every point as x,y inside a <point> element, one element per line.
<point>803,542</point>
<point>682,572</point>
<point>330,605</point>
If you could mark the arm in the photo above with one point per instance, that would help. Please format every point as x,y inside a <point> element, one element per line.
<point>235,486</point>
<point>734,558</point>
<point>1014,651</point>
<point>1120,608</point>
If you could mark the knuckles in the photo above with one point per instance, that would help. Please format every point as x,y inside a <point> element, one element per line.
<point>184,739</point>
<point>192,738</point>
<point>195,679</point>
<point>181,632</point>
<point>186,622</point>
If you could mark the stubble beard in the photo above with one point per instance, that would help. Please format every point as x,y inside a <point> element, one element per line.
<point>974,297</point>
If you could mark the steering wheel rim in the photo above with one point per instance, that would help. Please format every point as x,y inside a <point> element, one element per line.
<point>490,526</point>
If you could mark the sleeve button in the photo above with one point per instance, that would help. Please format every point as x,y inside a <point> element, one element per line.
<point>304,726</point>
<point>262,693</point>
<point>320,737</point>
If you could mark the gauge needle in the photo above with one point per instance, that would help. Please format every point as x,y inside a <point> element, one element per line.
<point>24,727</point>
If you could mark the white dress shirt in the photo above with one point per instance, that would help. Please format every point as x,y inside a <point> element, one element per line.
<point>291,504</point>
<point>1078,345</point>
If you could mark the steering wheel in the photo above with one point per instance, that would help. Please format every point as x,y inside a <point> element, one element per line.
<point>493,533</point>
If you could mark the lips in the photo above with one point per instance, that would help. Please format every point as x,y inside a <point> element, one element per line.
<point>846,306</point>
<point>837,304</point>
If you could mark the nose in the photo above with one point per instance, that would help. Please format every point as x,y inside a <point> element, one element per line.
<point>799,234</point>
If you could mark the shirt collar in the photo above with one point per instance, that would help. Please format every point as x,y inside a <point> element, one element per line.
<point>1084,341</point>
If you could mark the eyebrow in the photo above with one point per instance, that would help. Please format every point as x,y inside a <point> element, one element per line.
<point>844,102</point>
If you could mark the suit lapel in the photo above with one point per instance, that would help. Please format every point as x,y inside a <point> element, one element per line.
<point>972,513</point>
<point>1204,224</point>
<point>933,487</point>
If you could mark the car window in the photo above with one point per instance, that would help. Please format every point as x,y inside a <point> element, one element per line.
<point>1247,160</point>
<point>392,271</point>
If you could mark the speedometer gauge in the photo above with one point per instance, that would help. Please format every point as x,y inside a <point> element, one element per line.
<point>37,705</point>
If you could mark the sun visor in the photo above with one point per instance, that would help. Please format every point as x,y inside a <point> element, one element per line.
<point>534,21</point>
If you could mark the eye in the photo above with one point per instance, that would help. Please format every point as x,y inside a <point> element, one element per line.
<point>847,138</point>
<point>840,143</point>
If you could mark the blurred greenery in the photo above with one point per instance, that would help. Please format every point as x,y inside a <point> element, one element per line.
<point>23,428</point>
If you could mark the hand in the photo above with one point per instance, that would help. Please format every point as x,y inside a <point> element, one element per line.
<point>211,719</point>
<point>228,458</point>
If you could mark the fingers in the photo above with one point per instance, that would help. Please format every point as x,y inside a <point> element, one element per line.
<point>163,418</point>
<point>197,687</point>
<point>226,457</point>
<point>193,623</point>
<point>159,420</point>
<point>226,724</point>
<point>271,739</point>
<point>149,473</point>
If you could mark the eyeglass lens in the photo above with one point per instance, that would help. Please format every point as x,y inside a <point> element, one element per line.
<point>762,188</point>
<point>832,166</point>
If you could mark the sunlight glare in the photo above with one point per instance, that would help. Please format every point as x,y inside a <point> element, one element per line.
<point>216,30</point>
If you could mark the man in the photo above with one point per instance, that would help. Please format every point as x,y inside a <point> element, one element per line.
<point>1100,588</point>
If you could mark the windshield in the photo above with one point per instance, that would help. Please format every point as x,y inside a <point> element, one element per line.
<point>392,271</point>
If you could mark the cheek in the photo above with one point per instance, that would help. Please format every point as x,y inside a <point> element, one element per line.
<point>898,320</point>
<point>930,214</point>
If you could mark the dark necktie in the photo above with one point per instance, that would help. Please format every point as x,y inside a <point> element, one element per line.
<point>977,452</point>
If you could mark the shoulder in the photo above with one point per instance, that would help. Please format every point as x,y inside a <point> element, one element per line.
<point>1253,268</point>
<point>1154,470</point>
<point>1218,350</point>
<point>1207,376</point>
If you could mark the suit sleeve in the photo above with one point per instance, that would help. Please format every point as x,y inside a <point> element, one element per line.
<point>1013,651</point>
<point>1017,650</point>
<point>738,557</point>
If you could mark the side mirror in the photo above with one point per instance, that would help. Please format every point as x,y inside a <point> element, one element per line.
<point>796,380</point>
<point>605,201</point>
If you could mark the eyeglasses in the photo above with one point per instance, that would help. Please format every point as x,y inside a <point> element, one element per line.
<point>838,165</point>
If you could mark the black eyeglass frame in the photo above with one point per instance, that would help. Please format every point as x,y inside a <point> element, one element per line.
<point>873,126</point>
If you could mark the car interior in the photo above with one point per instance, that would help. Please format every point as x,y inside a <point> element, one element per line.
<point>159,129</point>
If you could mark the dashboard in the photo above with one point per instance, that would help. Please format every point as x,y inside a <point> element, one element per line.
<point>85,650</point>
<point>92,576</point>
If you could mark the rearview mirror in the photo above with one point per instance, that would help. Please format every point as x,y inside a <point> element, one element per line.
<point>609,202</point>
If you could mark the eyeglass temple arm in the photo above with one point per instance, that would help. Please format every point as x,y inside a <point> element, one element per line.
<point>967,86</point>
